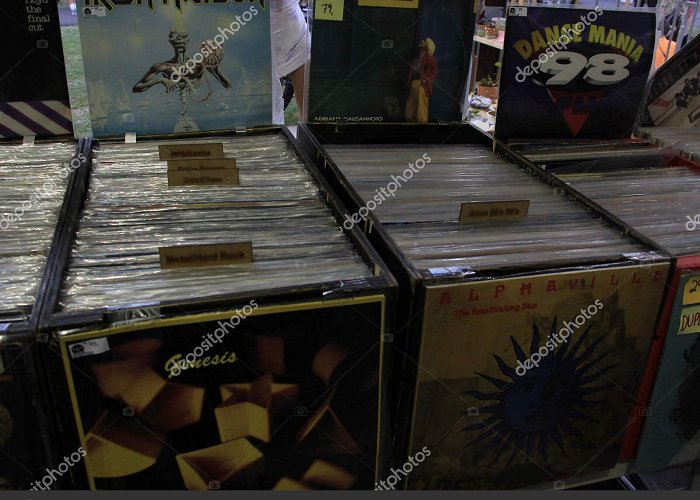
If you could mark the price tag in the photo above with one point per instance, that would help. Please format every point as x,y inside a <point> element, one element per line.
<point>691,290</point>
<point>329,10</point>
<point>88,348</point>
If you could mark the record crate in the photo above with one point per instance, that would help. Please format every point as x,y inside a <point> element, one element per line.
<point>659,202</point>
<point>35,177</point>
<point>523,329</point>
<point>265,372</point>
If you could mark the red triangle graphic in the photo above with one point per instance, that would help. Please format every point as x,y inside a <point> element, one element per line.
<point>574,120</point>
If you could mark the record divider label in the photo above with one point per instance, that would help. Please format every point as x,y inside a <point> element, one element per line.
<point>487,211</point>
<point>191,151</point>
<point>199,164</point>
<point>213,255</point>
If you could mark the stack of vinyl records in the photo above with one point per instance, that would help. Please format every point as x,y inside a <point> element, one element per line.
<point>567,156</point>
<point>420,208</point>
<point>131,212</point>
<point>33,182</point>
<point>661,203</point>
<point>687,140</point>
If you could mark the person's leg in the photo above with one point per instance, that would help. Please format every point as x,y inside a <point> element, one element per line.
<point>423,107</point>
<point>298,81</point>
<point>411,109</point>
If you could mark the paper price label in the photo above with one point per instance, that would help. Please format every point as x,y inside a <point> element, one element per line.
<point>94,11</point>
<point>329,10</point>
<point>691,290</point>
<point>88,348</point>
<point>689,321</point>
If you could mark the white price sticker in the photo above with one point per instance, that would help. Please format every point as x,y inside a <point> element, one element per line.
<point>88,348</point>
<point>94,11</point>
<point>517,11</point>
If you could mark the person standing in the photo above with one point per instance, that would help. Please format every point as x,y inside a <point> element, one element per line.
<point>422,75</point>
<point>291,47</point>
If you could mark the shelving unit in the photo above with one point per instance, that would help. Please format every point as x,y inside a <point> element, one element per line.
<point>484,62</point>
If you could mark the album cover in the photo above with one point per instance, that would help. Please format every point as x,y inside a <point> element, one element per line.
<point>278,397</point>
<point>674,99</point>
<point>389,61</point>
<point>671,434</point>
<point>574,73</point>
<point>530,380</point>
<point>159,67</point>
<point>20,456</point>
<point>33,86</point>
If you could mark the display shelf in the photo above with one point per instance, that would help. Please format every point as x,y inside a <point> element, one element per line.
<point>496,43</point>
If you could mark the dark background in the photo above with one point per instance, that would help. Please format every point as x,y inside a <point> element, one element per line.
<point>28,72</point>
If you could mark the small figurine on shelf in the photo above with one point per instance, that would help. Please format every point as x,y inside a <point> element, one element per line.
<point>488,87</point>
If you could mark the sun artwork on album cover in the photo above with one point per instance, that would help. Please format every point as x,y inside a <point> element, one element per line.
<point>532,410</point>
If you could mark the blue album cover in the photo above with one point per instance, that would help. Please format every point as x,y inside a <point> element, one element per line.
<point>161,67</point>
<point>574,73</point>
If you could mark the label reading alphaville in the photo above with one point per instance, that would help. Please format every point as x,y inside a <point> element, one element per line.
<point>191,151</point>
<point>218,254</point>
<point>506,211</point>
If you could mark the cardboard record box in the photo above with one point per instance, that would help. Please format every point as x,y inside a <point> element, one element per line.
<point>215,325</point>
<point>523,337</point>
<point>190,363</point>
<point>661,204</point>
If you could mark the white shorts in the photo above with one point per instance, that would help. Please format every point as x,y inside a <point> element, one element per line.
<point>290,36</point>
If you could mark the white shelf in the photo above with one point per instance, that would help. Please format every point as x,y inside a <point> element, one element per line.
<point>491,42</point>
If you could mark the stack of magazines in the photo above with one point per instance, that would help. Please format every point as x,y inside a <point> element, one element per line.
<point>416,193</point>
<point>33,180</point>
<point>131,212</point>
